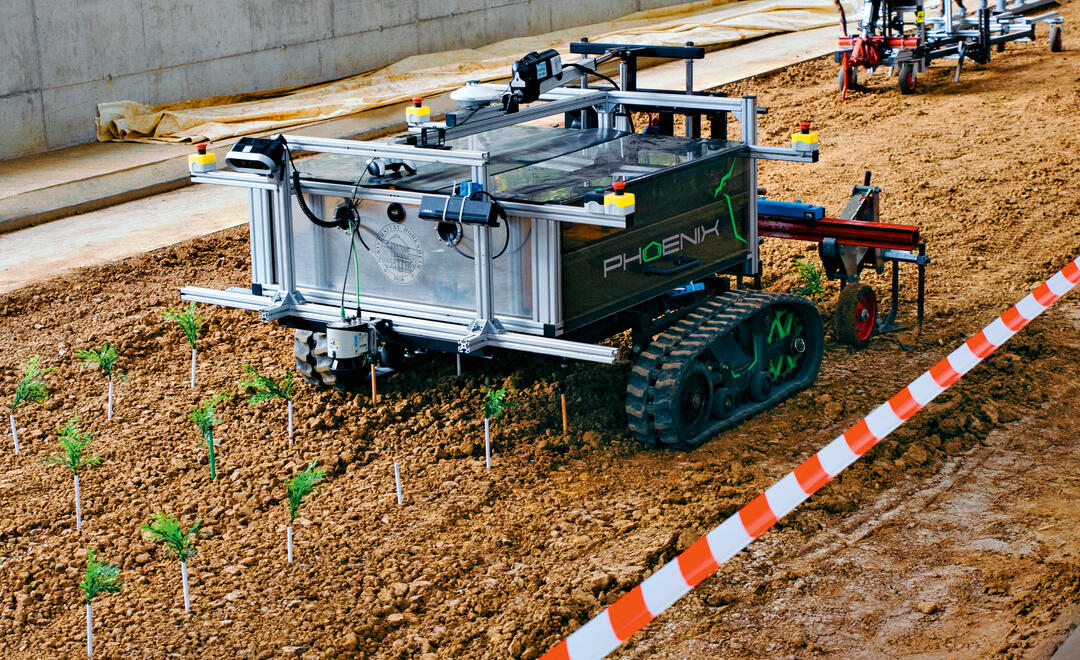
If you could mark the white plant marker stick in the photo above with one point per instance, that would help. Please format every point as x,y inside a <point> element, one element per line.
<point>288,541</point>
<point>193,368</point>
<point>14,433</point>
<point>183,578</point>
<point>290,422</point>
<point>487,444</point>
<point>78,506</point>
<point>89,632</point>
<point>397,482</point>
<point>110,398</point>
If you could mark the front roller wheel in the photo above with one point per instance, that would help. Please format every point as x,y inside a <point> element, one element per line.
<point>692,404</point>
<point>856,314</point>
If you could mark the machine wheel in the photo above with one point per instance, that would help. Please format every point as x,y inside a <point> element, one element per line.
<point>723,403</point>
<point>313,363</point>
<point>856,314</point>
<point>748,349</point>
<point>1055,38</point>
<point>906,80</point>
<point>852,78</point>
<point>694,402</point>
<point>760,386</point>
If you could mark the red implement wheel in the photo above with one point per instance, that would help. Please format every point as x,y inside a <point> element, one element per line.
<point>856,314</point>
<point>906,81</point>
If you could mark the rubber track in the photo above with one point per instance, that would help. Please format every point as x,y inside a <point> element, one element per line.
<point>654,378</point>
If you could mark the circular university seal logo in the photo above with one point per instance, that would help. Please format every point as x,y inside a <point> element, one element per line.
<point>399,254</point>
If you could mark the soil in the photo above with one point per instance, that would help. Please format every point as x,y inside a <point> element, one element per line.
<point>956,537</point>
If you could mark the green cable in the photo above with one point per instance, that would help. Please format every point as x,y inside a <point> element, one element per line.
<point>727,198</point>
<point>356,265</point>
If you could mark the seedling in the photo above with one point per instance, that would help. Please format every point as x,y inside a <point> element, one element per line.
<point>191,323</point>
<point>164,528</point>
<point>812,279</point>
<point>266,388</point>
<point>298,488</point>
<point>31,388</point>
<point>204,417</point>
<point>105,358</point>
<point>99,579</point>
<point>494,407</point>
<point>74,442</point>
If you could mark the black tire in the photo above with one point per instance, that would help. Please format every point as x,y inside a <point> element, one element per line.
<point>761,385</point>
<point>906,79</point>
<point>856,314</point>
<point>723,403</point>
<point>1055,38</point>
<point>1000,47</point>
<point>693,404</point>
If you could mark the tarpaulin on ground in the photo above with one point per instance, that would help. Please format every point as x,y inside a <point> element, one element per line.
<point>709,23</point>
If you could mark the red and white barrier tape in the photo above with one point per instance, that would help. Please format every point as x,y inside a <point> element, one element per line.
<point>608,630</point>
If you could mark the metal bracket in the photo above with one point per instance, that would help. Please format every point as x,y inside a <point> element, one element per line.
<point>283,304</point>
<point>480,329</point>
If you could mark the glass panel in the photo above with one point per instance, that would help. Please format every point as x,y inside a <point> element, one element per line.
<point>535,163</point>
<point>407,262</point>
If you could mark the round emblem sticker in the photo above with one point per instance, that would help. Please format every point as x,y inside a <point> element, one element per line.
<point>399,254</point>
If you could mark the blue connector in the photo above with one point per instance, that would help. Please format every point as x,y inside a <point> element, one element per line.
<point>794,210</point>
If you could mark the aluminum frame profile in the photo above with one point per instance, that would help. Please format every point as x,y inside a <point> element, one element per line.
<point>438,330</point>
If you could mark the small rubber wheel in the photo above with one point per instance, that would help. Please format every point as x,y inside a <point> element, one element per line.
<point>694,406</point>
<point>1055,38</point>
<point>906,81</point>
<point>760,386</point>
<point>723,403</point>
<point>1000,47</point>
<point>856,314</point>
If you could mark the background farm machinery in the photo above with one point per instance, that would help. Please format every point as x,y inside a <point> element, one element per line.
<point>898,34</point>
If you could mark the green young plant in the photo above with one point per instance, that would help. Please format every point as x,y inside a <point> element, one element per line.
<point>104,358</point>
<point>31,389</point>
<point>265,388</point>
<point>205,418</point>
<point>494,408</point>
<point>74,442</point>
<point>99,579</point>
<point>297,489</point>
<point>178,542</point>
<point>811,280</point>
<point>191,324</point>
<point>496,403</point>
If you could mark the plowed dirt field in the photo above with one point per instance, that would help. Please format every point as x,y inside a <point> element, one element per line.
<point>956,537</point>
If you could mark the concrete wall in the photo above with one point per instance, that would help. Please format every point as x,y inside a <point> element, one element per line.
<point>60,58</point>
